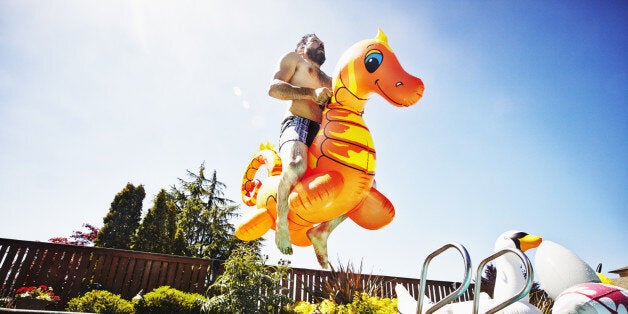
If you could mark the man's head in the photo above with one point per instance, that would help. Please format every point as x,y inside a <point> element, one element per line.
<point>312,47</point>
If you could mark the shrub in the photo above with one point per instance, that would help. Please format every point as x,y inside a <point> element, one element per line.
<point>342,285</point>
<point>167,300</point>
<point>362,303</point>
<point>100,301</point>
<point>248,286</point>
<point>540,299</point>
<point>6,302</point>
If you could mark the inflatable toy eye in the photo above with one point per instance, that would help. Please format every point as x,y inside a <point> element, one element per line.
<point>373,60</point>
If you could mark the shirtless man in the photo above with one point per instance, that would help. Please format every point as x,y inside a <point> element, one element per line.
<point>300,80</point>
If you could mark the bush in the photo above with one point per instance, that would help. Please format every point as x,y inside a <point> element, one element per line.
<point>248,285</point>
<point>362,303</point>
<point>167,300</point>
<point>6,302</point>
<point>100,301</point>
<point>343,283</point>
<point>540,299</point>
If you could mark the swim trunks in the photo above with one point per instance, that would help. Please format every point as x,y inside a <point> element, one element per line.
<point>295,128</point>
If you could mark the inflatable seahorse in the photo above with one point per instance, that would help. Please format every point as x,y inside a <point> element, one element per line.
<point>341,160</point>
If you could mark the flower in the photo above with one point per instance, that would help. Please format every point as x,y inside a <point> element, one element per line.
<point>41,292</point>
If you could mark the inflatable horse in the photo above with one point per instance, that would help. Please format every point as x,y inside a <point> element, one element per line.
<point>341,160</point>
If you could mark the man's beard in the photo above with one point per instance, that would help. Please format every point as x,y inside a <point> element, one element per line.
<point>316,56</point>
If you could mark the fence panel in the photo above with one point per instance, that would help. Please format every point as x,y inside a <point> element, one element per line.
<point>70,270</point>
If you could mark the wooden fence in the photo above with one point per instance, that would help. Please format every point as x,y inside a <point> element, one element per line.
<point>71,270</point>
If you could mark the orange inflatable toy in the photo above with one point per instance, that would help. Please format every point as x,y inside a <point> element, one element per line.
<point>341,160</point>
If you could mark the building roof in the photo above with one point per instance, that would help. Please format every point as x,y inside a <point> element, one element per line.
<point>620,271</point>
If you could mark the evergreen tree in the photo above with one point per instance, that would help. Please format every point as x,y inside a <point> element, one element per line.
<point>191,227</point>
<point>157,231</point>
<point>123,218</point>
<point>204,228</point>
<point>488,279</point>
<point>180,244</point>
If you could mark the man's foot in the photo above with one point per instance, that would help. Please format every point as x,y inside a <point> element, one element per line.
<point>318,235</point>
<point>282,239</point>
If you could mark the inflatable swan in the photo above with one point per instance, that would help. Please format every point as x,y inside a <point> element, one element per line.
<point>574,285</point>
<point>509,281</point>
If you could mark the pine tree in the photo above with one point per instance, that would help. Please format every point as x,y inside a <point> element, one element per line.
<point>488,279</point>
<point>204,228</point>
<point>157,231</point>
<point>123,218</point>
<point>180,244</point>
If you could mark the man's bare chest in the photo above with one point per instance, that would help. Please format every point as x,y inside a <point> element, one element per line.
<point>307,75</point>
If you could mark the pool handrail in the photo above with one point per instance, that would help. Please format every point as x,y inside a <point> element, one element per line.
<point>454,294</point>
<point>526,289</point>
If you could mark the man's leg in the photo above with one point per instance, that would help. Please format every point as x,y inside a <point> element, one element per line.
<point>319,235</point>
<point>294,158</point>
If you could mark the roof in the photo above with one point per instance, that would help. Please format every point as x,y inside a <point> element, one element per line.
<point>619,270</point>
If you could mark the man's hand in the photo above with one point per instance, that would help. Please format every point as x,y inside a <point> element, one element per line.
<point>322,95</point>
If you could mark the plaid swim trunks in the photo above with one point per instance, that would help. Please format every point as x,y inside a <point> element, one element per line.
<point>295,128</point>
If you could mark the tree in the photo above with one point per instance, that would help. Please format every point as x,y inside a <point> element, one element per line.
<point>123,218</point>
<point>180,244</point>
<point>488,279</point>
<point>79,238</point>
<point>204,227</point>
<point>157,231</point>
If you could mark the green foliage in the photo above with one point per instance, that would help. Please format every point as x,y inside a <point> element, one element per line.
<point>204,225</point>
<point>248,285</point>
<point>344,283</point>
<point>123,218</point>
<point>193,220</point>
<point>6,302</point>
<point>540,299</point>
<point>157,232</point>
<point>167,300</point>
<point>362,303</point>
<point>180,244</point>
<point>100,301</point>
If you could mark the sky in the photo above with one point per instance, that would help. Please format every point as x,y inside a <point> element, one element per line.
<point>523,123</point>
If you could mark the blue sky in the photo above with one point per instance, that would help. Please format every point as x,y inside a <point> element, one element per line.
<point>523,124</point>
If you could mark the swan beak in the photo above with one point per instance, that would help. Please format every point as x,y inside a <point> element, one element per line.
<point>529,242</point>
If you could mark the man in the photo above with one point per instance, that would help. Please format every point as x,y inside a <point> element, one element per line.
<point>301,81</point>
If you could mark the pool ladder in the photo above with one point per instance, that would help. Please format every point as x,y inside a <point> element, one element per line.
<point>467,279</point>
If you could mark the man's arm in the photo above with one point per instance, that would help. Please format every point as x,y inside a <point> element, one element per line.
<point>281,89</point>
